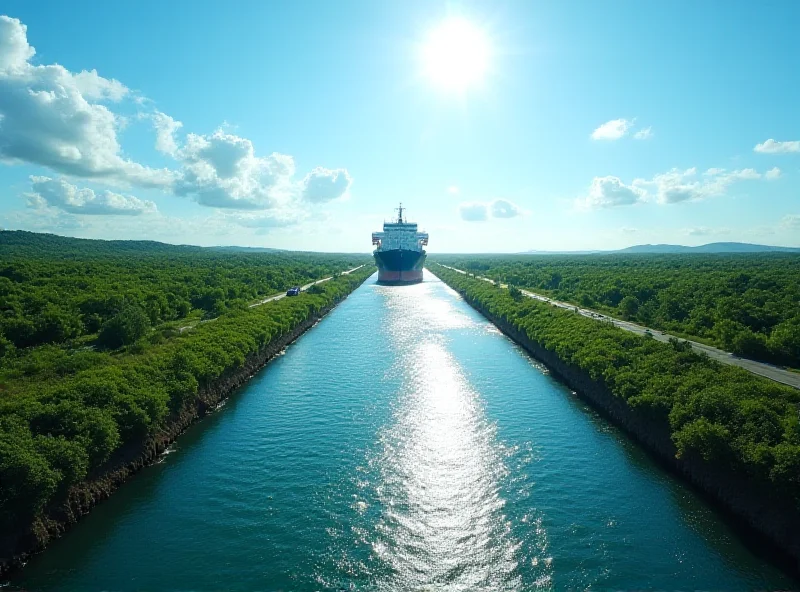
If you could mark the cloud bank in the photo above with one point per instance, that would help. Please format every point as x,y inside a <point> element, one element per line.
<point>612,130</point>
<point>619,128</point>
<point>47,117</point>
<point>323,185</point>
<point>774,147</point>
<point>477,211</point>
<point>672,187</point>
<point>609,192</point>
<point>57,193</point>
<point>64,121</point>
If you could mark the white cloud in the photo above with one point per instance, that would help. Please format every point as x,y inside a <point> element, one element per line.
<point>166,128</point>
<point>14,49</point>
<point>266,223</point>
<point>323,185</point>
<point>478,211</point>
<point>502,208</point>
<point>612,130</point>
<point>678,185</point>
<point>746,174</point>
<point>791,221</point>
<point>222,171</point>
<point>706,231</point>
<point>57,193</point>
<point>452,190</point>
<point>774,147</point>
<point>772,174</point>
<point>674,186</point>
<point>473,211</point>
<point>644,134</point>
<point>54,118</point>
<point>46,119</point>
<point>608,192</point>
<point>94,87</point>
<point>227,154</point>
<point>262,222</point>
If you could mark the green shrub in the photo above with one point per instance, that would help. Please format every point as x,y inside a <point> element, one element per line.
<point>124,328</point>
<point>718,413</point>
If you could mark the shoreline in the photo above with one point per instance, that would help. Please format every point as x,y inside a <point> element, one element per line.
<point>129,460</point>
<point>771,523</point>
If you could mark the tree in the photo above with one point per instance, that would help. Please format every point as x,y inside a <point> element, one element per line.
<point>706,439</point>
<point>629,306</point>
<point>749,344</point>
<point>130,324</point>
<point>6,347</point>
<point>54,325</point>
<point>784,341</point>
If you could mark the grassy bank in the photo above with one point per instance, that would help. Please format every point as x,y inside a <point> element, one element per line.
<point>73,412</point>
<point>748,304</point>
<point>714,413</point>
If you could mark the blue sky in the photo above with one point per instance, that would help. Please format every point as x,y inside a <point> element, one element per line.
<point>573,125</point>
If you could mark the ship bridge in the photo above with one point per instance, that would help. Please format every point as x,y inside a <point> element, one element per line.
<point>400,234</point>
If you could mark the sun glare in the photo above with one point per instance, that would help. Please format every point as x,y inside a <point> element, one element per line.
<point>456,55</point>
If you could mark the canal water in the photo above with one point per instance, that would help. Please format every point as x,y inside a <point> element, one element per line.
<point>402,444</point>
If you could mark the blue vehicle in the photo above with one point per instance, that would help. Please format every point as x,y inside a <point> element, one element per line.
<point>294,291</point>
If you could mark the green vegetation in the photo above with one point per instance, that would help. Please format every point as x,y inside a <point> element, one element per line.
<point>748,304</point>
<point>715,412</point>
<point>54,289</point>
<point>92,355</point>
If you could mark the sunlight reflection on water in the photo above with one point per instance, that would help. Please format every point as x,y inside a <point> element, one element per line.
<point>439,464</point>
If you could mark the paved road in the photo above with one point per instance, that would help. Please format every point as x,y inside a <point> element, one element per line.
<point>275,297</point>
<point>302,288</point>
<point>766,370</point>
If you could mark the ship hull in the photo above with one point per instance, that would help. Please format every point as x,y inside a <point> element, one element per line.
<point>399,266</point>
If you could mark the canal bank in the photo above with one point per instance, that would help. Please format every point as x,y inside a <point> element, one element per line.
<point>18,547</point>
<point>403,443</point>
<point>768,520</point>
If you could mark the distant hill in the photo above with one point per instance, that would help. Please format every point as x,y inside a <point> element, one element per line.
<point>44,242</point>
<point>675,249</point>
<point>235,249</point>
<point>709,248</point>
<point>37,242</point>
<point>26,242</point>
<point>563,252</point>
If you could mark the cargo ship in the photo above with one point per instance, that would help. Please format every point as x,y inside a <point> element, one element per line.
<point>398,253</point>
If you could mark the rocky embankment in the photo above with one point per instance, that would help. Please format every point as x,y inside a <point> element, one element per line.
<point>15,548</point>
<point>769,521</point>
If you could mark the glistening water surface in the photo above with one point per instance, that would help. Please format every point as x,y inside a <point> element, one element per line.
<point>402,444</point>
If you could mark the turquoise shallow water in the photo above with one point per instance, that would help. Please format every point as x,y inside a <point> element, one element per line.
<point>402,444</point>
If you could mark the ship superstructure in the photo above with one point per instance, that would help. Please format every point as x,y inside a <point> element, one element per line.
<point>399,252</point>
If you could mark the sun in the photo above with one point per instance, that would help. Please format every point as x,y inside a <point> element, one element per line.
<point>455,55</point>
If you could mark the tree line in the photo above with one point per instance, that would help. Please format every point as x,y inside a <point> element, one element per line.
<point>748,304</point>
<point>72,397</point>
<point>55,289</point>
<point>719,413</point>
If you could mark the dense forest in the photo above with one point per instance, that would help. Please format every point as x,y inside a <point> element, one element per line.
<point>55,289</point>
<point>718,413</point>
<point>748,304</point>
<point>103,341</point>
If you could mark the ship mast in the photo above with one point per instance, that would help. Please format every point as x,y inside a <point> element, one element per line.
<point>400,213</point>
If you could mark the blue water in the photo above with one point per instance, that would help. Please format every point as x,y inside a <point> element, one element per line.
<point>402,444</point>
